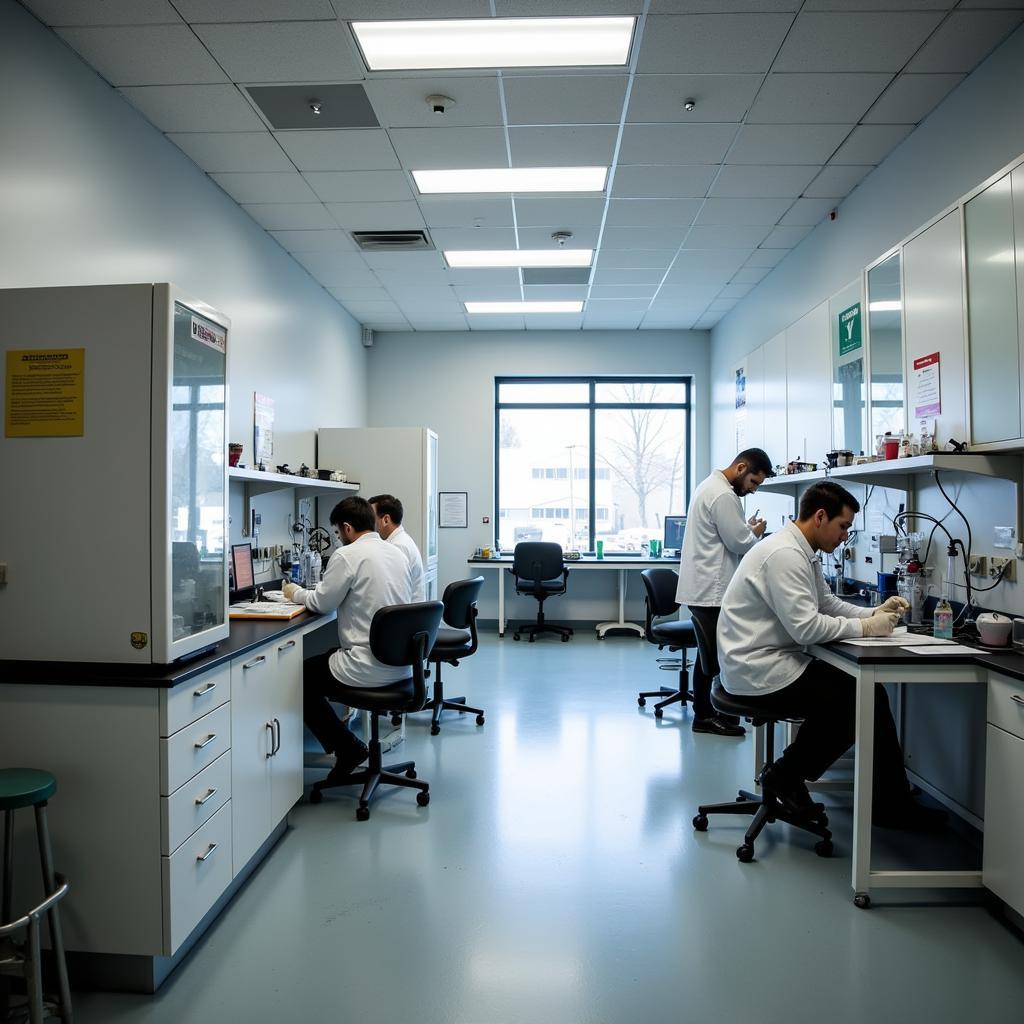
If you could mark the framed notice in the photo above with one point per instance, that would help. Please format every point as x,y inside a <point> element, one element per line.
<point>453,509</point>
<point>927,399</point>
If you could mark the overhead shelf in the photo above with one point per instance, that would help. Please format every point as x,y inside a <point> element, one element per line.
<point>260,483</point>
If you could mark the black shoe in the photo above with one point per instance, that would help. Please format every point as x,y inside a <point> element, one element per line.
<point>790,792</point>
<point>718,725</point>
<point>910,816</point>
<point>346,762</point>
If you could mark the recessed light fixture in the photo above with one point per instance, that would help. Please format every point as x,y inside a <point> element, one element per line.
<point>519,257</point>
<point>524,307</point>
<point>494,43</point>
<point>512,179</point>
<point>885,306</point>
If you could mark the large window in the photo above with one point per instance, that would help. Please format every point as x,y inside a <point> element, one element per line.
<point>581,459</point>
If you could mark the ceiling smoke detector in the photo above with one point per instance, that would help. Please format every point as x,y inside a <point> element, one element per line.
<point>561,237</point>
<point>439,104</point>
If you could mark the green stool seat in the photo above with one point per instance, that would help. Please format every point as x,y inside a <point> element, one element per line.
<point>25,787</point>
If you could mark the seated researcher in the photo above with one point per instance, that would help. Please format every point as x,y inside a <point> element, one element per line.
<point>388,510</point>
<point>362,576</point>
<point>778,603</point>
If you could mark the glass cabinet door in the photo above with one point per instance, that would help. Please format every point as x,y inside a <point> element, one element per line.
<point>885,340</point>
<point>431,496</point>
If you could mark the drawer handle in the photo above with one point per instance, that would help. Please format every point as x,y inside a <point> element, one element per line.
<point>271,752</point>
<point>254,662</point>
<point>202,799</point>
<point>277,724</point>
<point>205,690</point>
<point>1017,697</point>
<point>209,852</point>
<point>209,739</point>
<point>284,647</point>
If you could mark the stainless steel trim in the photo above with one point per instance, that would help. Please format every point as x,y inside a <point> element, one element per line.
<point>205,690</point>
<point>209,739</point>
<point>202,799</point>
<point>284,647</point>
<point>209,852</point>
<point>255,661</point>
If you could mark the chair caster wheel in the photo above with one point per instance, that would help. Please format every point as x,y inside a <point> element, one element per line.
<point>565,639</point>
<point>316,797</point>
<point>823,848</point>
<point>658,712</point>
<point>700,823</point>
<point>745,853</point>
<point>862,900</point>
<point>641,702</point>
<point>411,773</point>
<point>396,719</point>
<point>434,730</point>
<point>362,814</point>
<point>479,719</point>
<point>532,638</point>
<point>515,636</point>
<point>423,798</point>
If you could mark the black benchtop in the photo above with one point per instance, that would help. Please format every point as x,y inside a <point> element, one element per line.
<point>245,635</point>
<point>1009,662</point>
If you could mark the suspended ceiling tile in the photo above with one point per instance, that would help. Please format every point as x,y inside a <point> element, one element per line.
<point>332,263</point>
<point>623,291</point>
<point>753,275</point>
<point>771,181</point>
<point>675,143</point>
<point>313,107</point>
<point>725,236</point>
<point>348,279</point>
<point>388,326</point>
<point>855,41</point>
<point>729,6</point>
<point>587,145</point>
<point>400,277</point>
<point>911,98</point>
<point>564,99</point>
<point>685,296</point>
<point>360,186</point>
<point>488,322</point>
<point>327,240</point>
<point>539,211</point>
<point>350,149</point>
<point>429,148</point>
<point>630,259</point>
<point>346,294</point>
<point>721,305</point>
<point>474,238</point>
<point>283,51</point>
<point>685,182</point>
<point>616,307</point>
<point>232,151</point>
<point>564,8</point>
<point>553,293</point>
<point>786,237</point>
<point>715,43</point>
<point>271,187</point>
<point>742,211</point>
<point>290,216</point>
<point>584,236</point>
<point>362,310</point>
<point>735,290</point>
<point>603,278</point>
<point>406,262</point>
<point>555,322</point>
<point>104,12</point>
<point>448,323</point>
<point>652,213</point>
<point>810,211</point>
<point>601,321</point>
<point>837,180</point>
<point>198,11</point>
<point>875,5</point>
<point>871,143</point>
<point>402,102</point>
<point>787,143</point>
<point>964,40</point>
<point>492,293</point>
<point>144,54</point>
<point>763,259</point>
<point>385,10</point>
<point>377,216</point>
<point>667,236</point>
<point>193,108</point>
<point>816,98</point>
<point>662,98</point>
<point>705,323</point>
<point>476,211</point>
<point>485,277</point>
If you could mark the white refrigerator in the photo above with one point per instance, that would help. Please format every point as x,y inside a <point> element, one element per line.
<point>113,457</point>
<point>392,460</point>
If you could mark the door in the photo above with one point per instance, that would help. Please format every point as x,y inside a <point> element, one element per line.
<point>251,743</point>
<point>286,764</point>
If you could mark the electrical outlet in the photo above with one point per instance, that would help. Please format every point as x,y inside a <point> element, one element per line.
<point>979,565</point>
<point>996,566</point>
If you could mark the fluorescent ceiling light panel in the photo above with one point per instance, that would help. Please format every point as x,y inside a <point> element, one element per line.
<point>886,306</point>
<point>494,43</point>
<point>524,307</point>
<point>519,257</point>
<point>512,179</point>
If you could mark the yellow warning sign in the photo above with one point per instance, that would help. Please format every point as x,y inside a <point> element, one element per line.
<point>45,393</point>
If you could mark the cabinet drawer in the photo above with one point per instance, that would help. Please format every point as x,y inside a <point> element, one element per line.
<point>1003,858</point>
<point>194,876</point>
<point>190,700</point>
<point>191,749</point>
<point>1006,704</point>
<point>195,803</point>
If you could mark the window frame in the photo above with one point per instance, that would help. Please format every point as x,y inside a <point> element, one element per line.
<point>592,407</point>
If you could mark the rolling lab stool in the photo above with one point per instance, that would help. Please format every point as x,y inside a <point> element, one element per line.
<point>29,787</point>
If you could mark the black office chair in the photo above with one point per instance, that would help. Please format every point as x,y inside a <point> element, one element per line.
<point>675,634</point>
<point>539,572</point>
<point>764,808</point>
<point>402,636</point>
<point>452,644</point>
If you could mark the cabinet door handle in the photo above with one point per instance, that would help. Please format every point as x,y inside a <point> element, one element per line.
<point>209,739</point>
<point>270,726</point>
<point>277,726</point>
<point>1017,698</point>
<point>205,690</point>
<point>254,662</point>
<point>284,647</point>
<point>200,800</point>
<point>209,853</point>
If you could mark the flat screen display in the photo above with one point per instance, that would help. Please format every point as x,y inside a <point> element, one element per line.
<point>675,527</point>
<point>241,564</point>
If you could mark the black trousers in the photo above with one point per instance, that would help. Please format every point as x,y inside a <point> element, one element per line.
<point>826,699</point>
<point>319,687</point>
<point>701,682</point>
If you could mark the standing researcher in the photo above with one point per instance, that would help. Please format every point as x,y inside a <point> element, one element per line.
<point>389,513</point>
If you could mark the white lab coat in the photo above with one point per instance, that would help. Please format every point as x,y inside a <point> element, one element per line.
<point>401,539</point>
<point>776,605</point>
<point>716,538</point>
<point>360,578</point>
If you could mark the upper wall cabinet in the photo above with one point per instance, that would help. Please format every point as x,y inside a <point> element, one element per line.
<point>808,431</point>
<point>849,406</point>
<point>933,310</point>
<point>750,416</point>
<point>992,309</point>
<point>775,437</point>
<point>885,346</point>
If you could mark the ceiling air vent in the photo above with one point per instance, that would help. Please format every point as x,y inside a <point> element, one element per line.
<point>392,241</point>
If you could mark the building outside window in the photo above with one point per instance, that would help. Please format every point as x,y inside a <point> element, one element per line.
<point>580,459</point>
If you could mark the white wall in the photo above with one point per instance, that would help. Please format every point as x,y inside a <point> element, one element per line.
<point>90,193</point>
<point>446,382</point>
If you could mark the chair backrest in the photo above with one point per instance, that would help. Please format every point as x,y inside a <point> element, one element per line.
<point>459,602</point>
<point>403,634</point>
<point>707,644</point>
<point>537,560</point>
<point>660,585</point>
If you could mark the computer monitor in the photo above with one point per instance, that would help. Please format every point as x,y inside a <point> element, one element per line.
<point>675,527</point>
<point>241,567</point>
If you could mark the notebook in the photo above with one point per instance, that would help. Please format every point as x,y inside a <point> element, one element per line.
<point>265,610</point>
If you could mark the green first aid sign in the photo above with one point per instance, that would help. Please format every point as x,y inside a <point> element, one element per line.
<point>849,329</point>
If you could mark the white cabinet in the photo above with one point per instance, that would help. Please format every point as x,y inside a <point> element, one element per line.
<point>266,726</point>
<point>808,430</point>
<point>776,440</point>
<point>753,420</point>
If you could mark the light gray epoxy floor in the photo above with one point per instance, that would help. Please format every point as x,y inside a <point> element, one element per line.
<point>555,877</point>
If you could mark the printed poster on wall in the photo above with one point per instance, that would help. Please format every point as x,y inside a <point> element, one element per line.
<point>741,408</point>
<point>925,382</point>
<point>45,392</point>
<point>262,429</point>
<point>849,329</point>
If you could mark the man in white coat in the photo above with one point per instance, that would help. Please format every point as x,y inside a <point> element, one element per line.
<point>362,576</point>
<point>388,510</point>
<point>716,538</point>
<point>776,606</point>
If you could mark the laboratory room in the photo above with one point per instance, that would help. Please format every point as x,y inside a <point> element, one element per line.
<point>512,511</point>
